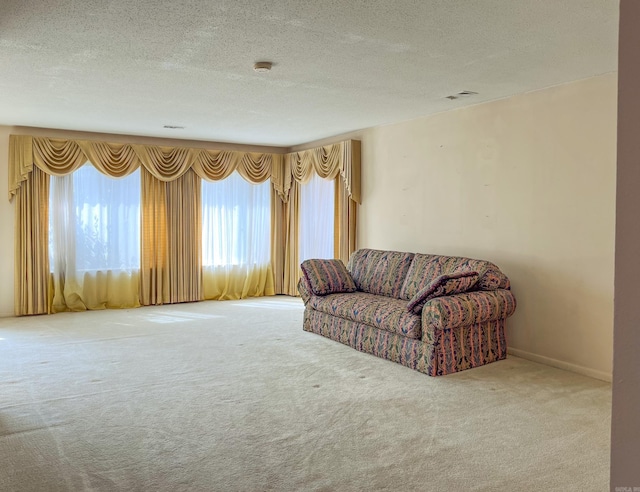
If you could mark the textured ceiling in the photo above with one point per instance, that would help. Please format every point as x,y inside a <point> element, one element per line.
<point>131,67</point>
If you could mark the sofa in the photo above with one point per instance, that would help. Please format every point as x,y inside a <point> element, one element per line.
<point>435,314</point>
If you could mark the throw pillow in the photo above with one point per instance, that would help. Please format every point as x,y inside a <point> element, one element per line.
<point>444,285</point>
<point>327,277</point>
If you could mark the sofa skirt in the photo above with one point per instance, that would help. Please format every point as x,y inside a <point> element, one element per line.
<point>454,349</point>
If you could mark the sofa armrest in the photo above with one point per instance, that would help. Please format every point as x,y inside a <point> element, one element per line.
<point>465,309</point>
<point>304,289</point>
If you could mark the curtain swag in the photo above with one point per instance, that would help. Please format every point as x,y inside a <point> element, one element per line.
<point>59,157</point>
<point>342,158</point>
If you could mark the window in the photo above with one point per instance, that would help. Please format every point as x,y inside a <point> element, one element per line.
<point>317,206</point>
<point>236,222</point>
<point>94,222</point>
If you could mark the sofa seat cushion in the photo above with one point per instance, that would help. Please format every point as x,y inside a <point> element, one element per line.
<point>382,312</point>
<point>379,272</point>
<point>426,268</point>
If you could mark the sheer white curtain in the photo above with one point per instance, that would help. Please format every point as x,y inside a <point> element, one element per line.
<point>236,234</point>
<point>94,240</point>
<point>317,213</point>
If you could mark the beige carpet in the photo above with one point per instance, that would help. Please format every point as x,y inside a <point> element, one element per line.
<point>232,395</point>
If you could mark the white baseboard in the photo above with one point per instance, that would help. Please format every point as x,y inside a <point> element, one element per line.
<point>585,371</point>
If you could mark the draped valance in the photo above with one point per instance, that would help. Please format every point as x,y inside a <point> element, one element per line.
<point>342,158</point>
<point>59,157</point>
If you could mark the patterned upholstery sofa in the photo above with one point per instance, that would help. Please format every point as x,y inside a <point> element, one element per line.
<point>436,314</point>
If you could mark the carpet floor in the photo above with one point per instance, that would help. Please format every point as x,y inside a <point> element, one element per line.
<point>234,396</point>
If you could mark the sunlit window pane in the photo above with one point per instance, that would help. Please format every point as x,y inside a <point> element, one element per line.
<point>236,219</point>
<point>317,199</point>
<point>95,221</point>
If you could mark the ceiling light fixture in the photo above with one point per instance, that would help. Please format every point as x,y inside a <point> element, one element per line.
<point>262,67</point>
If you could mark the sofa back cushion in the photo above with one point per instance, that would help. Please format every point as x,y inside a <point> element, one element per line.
<point>379,272</point>
<point>426,268</point>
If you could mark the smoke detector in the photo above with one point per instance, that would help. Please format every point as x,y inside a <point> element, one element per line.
<point>262,67</point>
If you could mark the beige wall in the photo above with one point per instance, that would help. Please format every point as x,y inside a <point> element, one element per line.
<point>527,182</point>
<point>7,208</point>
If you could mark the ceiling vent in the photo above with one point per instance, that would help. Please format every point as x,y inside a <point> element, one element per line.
<point>173,127</point>
<point>461,94</point>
